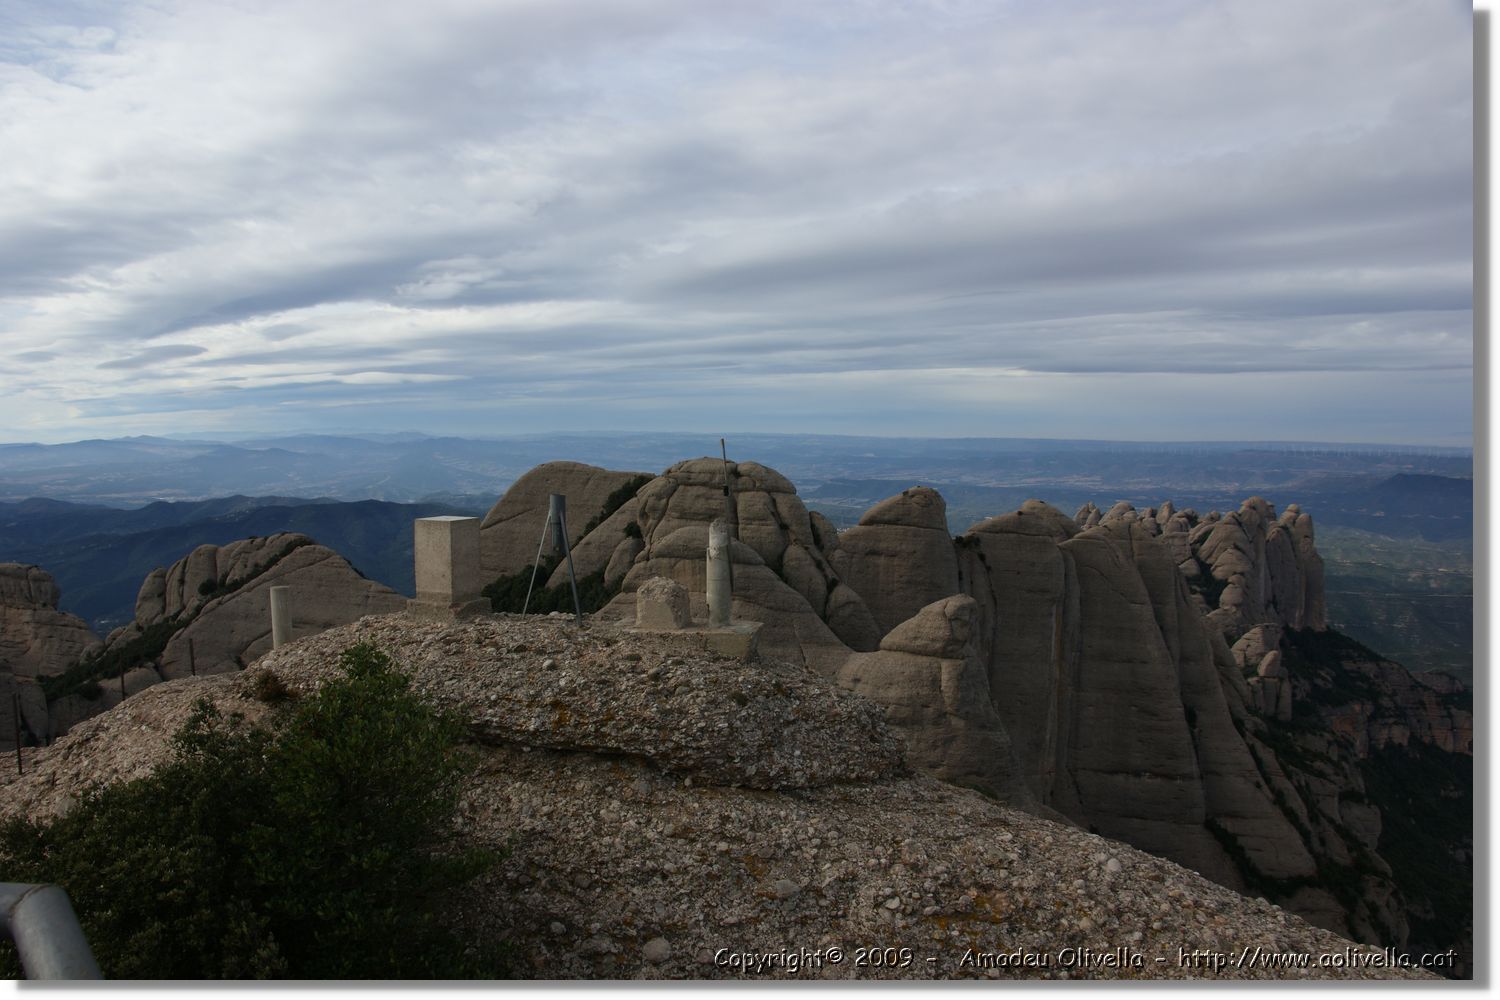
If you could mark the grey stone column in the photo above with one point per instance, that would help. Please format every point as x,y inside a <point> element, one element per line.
<point>281,616</point>
<point>719,591</point>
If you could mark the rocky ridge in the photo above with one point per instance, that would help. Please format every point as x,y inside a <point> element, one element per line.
<point>215,602</point>
<point>1102,645</point>
<point>630,860</point>
<point>36,641</point>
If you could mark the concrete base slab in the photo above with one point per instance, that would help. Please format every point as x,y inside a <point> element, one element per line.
<point>432,611</point>
<point>737,640</point>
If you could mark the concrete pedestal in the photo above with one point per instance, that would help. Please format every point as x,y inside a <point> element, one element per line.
<point>445,551</point>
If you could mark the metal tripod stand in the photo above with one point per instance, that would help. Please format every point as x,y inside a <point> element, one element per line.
<point>557,524</point>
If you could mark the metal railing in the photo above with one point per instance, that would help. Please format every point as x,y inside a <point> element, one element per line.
<point>41,921</point>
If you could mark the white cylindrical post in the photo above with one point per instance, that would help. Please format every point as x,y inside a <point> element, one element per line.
<point>281,616</point>
<point>719,592</point>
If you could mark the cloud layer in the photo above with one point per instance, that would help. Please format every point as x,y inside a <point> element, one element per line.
<point>1157,220</point>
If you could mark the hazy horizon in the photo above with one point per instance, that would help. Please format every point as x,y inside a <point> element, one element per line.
<point>237,437</point>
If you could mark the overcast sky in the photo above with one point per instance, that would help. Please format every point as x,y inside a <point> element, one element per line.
<point>1153,220</point>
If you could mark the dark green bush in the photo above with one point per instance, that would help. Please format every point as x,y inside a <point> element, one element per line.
<point>619,498</point>
<point>84,675</point>
<point>508,593</point>
<point>321,848</point>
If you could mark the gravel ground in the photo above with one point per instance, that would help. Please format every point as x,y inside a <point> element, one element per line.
<point>671,815</point>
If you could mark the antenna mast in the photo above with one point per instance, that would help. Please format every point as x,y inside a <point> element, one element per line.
<point>731,516</point>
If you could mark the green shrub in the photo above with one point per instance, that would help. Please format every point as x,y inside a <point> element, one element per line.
<point>508,593</point>
<point>321,848</point>
<point>83,676</point>
<point>619,498</point>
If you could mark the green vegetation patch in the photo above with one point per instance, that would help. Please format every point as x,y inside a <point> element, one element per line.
<point>619,498</point>
<point>212,589</point>
<point>508,593</point>
<point>83,678</point>
<point>321,848</point>
<point>1426,801</point>
<point>1321,658</point>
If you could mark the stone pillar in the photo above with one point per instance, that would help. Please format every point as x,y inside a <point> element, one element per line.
<point>281,616</point>
<point>446,554</point>
<point>719,592</point>
<point>662,604</point>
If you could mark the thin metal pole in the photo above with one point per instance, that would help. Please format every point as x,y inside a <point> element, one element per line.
<point>537,562</point>
<point>562,516</point>
<point>15,706</point>
<point>731,516</point>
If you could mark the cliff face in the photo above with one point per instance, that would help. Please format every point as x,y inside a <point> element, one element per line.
<point>510,531</point>
<point>1128,728</point>
<point>1127,669</point>
<point>36,641</point>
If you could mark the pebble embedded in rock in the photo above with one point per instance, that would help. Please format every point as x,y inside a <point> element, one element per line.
<point>656,950</point>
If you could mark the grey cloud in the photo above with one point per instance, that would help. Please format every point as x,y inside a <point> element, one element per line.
<point>284,331</point>
<point>1069,189</point>
<point>154,355</point>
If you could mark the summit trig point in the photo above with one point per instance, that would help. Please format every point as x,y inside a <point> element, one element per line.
<point>446,553</point>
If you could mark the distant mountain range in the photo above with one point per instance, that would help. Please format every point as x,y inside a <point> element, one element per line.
<point>116,509</point>
<point>134,471</point>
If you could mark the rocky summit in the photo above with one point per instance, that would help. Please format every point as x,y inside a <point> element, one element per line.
<point>1091,668</point>
<point>948,739</point>
<point>655,831</point>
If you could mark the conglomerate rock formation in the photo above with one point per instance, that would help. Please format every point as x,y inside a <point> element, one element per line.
<point>209,613</point>
<point>510,533</point>
<point>36,641</point>
<point>1095,679</point>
